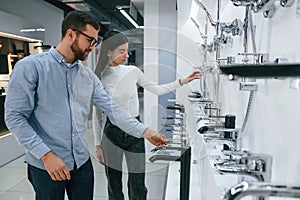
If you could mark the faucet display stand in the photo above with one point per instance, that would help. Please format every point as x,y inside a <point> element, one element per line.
<point>185,167</point>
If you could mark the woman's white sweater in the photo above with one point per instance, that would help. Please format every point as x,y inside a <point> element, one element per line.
<point>121,83</point>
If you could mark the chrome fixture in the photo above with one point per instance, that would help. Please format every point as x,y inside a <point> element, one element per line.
<point>286,3</point>
<point>235,27</point>
<point>256,5</point>
<point>266,6</point>
<point>243,189</point>
<point>248,86</point>
<point>269,13</point>
<point>256,165</point>
<point>259,58</point>
<point>221,132</point>
<point>225,136</point>
<point>177,127</point>
<point>166,147</point>
<point>228,59</point>
<point>195,95</point>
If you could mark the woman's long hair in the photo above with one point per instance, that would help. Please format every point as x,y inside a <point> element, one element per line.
<point>110,41</point>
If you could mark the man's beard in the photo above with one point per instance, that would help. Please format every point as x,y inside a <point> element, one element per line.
<point>78,53</point>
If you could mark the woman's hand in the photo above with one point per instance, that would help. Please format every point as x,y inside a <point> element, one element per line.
<point>99,154</point>
<point>191,77</point>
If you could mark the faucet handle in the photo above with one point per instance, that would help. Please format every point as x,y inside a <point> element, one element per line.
<point>234,154</point>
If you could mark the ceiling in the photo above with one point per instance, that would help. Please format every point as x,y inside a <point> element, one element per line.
<point>106,12</point>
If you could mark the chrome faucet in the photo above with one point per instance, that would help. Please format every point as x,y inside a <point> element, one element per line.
<point>256,165</point>
<point>225,136</point>
<point>256,5</point>
<point>243,189</point>
<point>221,134</point>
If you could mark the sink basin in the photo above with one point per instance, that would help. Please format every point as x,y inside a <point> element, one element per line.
<point>262,70</point>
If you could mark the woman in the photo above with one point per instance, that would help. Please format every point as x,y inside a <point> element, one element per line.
<point>120,82</point>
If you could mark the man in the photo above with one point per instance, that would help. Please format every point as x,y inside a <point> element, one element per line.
<point>47,103</point>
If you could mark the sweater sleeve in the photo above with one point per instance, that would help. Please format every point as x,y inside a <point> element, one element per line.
<point>155,88</point>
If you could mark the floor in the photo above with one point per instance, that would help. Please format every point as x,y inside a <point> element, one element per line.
<point>15,186</point>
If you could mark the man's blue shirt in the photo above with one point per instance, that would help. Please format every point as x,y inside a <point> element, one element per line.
<point>47,105</point>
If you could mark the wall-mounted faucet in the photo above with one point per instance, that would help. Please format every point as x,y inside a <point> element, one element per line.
<point>226,137</point>
<point>259,58</point>
<point>256,165</point>
<point>262,189</point>
<point>222,132</point>
<point>267,6</point>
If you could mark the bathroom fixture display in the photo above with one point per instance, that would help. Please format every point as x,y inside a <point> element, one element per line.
<point>256,165</point>
<point>175,127</point>
<point>185,165</point>
<point>262,70</point>
<point>244,189</point>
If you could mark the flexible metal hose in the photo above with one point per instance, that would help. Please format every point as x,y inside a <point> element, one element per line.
<point>251,94</point>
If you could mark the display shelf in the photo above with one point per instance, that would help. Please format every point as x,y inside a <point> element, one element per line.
<point>262,70</point>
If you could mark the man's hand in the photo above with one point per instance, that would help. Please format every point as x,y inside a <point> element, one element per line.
<point>99,154</point>
<point>56,167</point>
<point>154,138</point>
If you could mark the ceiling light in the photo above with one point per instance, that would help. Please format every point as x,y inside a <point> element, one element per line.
<point>128,17</point>
<point>27,30</point>
<point>17,37</point>
<point>32,30</point>
<point>105,22</point>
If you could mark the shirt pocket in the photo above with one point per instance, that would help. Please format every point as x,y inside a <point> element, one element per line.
<point>83,88</point>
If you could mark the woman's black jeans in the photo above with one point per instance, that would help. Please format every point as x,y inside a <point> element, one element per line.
<point>115,144</point>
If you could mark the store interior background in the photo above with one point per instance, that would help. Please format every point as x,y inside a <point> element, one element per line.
<point>172,49</point>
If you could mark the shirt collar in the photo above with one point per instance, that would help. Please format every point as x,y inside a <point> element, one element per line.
<point>60,59</point>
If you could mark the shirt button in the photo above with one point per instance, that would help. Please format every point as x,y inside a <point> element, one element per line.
<point>73,135</point>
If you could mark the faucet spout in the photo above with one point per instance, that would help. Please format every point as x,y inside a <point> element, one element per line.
<point>240,171</point>
<point>261,189</point>
<point>256,165</point>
